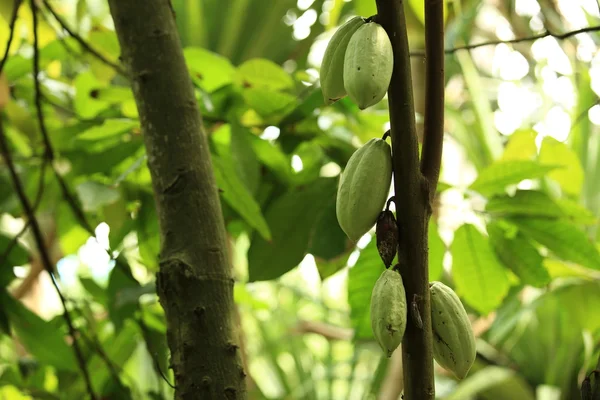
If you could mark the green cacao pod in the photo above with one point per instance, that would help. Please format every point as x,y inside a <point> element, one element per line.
<point>332,66</point>
<point>388,311</point>
<point>386,232</point>
<point>368,65</point>
<point>453,338</point>
<point>364,187</point>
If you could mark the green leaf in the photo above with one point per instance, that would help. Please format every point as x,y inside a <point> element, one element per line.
<point>329,240</point>
<point>570,176</point>
<point>147,231</point>
<point>292,219</point>
<point>524,202</point>
<point>437,249</point>
<point>273,158</point>
<point>238,197</point>
<point>562,238</point>
<point>518,254</point>
<point>97,292</point>
<point>85,105</point>
<point>120,284</point>
<point>40,338</point>
<point>480,279</point>
<point>109,128</point>
<point>497,176</point>
<point>521,146</point>
<point>94,195</point>
<point>244,158</point>
<point>119,348</point>
<point>17,256</point>
<point>493,383</point>
<point>208,70</point>
<point>72,234</point>
<point>267,102</point>
<point>361,280</point>
<point>533,203</point>
<point>265,73</point>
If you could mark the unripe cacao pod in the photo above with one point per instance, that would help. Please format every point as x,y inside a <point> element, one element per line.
<point>386,232</point>
<point>364,187</point>
<point>332,66</point>
<point>453,338</point>
<point>388,311</point>
<point>368,65</point>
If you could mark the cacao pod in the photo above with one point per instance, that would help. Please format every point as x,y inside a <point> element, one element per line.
<point>332,66</point>
<point>368,65</point>
<point>453,338</point>
<point>364,187</point>
<point>386,232</point>
<point>388,311</point>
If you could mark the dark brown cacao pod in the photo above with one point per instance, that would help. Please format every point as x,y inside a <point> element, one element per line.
<point>387,237</point>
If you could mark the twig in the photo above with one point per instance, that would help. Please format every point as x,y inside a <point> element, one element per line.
<point>82,42</point>
<point>145,332</point>
<point>36,204</point>
<point>11,33</point>
<point>412,199</point>
<point>558,36</point>
<point>45,257</point>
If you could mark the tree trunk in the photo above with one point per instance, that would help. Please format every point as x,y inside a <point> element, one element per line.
<point>194,281</point>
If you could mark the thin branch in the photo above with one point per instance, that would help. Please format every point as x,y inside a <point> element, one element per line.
<point>145,334</point>
<point>36,204</point>
<point>11,33</point>
<point>82,42</point>
<point>558,36</point>
<point>433,136</point>
<point>45,256</point>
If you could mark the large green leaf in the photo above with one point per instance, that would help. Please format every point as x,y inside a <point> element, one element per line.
<point>494,383</point>
<point>292,219</point>
<point>260,72</point>
<point>41,338</point>
<point>147,231</point>
<point>361,279</point>
<point>497,176</point>
<point>238,197</point>
<point>329,240</point>
<point>570,176</point>
<point>534,203</point>
<point>521,146</point>
<point>209,70</point>
<point>518,254</point>
<point>94,195</point>
<point>563,238</point>
<point>109,128</point>
<point>480,279</point>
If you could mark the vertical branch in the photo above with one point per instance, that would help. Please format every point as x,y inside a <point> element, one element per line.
<point>431,156</point>
<point>194,282</point>
<point>412,203</point>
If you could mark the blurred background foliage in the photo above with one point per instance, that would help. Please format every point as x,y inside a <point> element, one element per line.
<point>515,226</point>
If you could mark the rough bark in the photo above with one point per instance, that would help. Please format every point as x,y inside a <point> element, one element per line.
<point>194,282</point>
<point>414,185</point>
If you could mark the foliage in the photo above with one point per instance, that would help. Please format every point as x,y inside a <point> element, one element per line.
<point>515,234</point>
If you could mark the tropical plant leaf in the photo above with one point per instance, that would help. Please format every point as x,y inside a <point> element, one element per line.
<point>480,279</point>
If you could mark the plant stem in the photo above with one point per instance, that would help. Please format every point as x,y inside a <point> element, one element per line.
<point>412,205</point>
<point>433,136</point>
<point>194,282</point>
